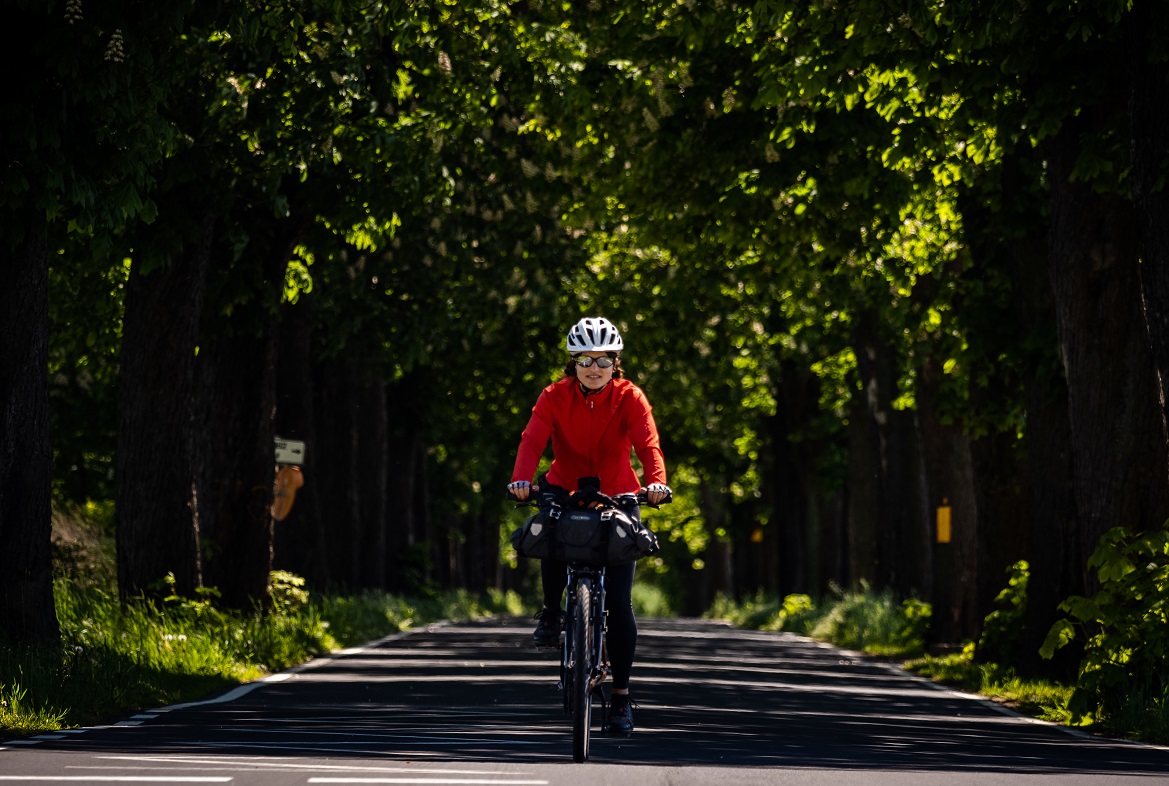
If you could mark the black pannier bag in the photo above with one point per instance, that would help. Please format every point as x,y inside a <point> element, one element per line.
<point>532,540</point>
<point>594,537</point>
<point>629,540</point>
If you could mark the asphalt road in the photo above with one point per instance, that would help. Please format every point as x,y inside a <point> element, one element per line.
<point>474,704</point>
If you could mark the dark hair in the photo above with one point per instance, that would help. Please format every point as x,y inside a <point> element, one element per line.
<point>570,369</point>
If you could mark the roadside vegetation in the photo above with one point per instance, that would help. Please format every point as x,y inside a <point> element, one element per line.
<point>115,659</point>
<point>1120,687</point>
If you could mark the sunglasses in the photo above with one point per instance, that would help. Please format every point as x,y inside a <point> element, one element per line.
<point>584,361</point>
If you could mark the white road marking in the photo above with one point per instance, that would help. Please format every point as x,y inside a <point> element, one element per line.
<point>422,780</point>
<point>118,778</point>
<point>269,763</point>
<point>243,690</point>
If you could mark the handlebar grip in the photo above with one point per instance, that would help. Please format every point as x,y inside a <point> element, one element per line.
<point>643,498</point>
<point>533,490</point>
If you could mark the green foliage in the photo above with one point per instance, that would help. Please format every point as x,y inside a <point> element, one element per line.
<point>1124,627</point>
<point>867,621</point>
<point>762,612</point>
<point>734,184</point>
<point>21,717</point>
<point>1039,698</point>
<point>651,601</point>
<point>116,658</point>
<point>287,592</point>
<point>1002,631</point>
<point>875,622</point>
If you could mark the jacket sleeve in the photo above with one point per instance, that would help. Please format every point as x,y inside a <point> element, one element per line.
<point>534,440</point>
<point>643,433</point>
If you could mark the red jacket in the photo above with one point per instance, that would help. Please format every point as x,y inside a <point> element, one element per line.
<point>592,437</point>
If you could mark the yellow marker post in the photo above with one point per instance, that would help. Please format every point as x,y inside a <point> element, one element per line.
<point>943,520</point>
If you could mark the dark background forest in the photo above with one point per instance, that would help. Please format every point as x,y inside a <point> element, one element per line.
<point>870,259</point>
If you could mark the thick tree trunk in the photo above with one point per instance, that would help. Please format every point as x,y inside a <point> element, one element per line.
<point>1054,553</point>
<point>299,540</point>
<point>235,449</point>
<point>335,388</point>
<point>409,557</point>
<point>949,479</point>
<point>901,545</point>
<point>1002,525</point>
<point>1147,28</point>
<point>236,388</point>
<point>27,614</point>
<point>372,466</point>
<point>864,498</point>
<point>1005,234</point>
<point>157,514</point>
<point>785,489</point>
<point>718,574</point>
<point>1117,431</point>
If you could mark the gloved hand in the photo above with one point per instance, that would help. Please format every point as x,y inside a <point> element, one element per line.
<point>520,489</point>
<point>656,492</point>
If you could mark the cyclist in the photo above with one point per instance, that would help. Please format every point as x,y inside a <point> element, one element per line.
<point>594,417</point>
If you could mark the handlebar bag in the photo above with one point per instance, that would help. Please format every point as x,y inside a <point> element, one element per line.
<point>580,537</point>
<point>592,537</point>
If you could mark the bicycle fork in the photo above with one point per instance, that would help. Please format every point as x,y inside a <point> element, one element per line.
<point>598,646</point>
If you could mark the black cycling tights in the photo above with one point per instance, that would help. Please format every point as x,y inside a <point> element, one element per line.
<point>622,636</point>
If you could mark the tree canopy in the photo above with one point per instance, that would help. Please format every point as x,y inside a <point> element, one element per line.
<point>869,262</point>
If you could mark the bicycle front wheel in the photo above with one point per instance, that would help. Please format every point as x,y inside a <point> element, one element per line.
<point>582,669</point>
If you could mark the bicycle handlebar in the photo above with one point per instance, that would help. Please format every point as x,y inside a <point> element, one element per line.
<point>641,497</point>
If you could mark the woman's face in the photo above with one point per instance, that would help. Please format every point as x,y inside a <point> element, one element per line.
<point>594,377</point>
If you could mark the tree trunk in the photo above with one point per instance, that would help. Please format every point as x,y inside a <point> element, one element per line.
<point>949,480</point>
<point>1002,522</point>
<point>900,543</point>
<point>235,449</point>
<point>372,469</point>
<point>236,406</point>
<point>337,452</point>
<point>785,489</point>
<point>299,540</point>
<point>864,498</point>
<point>409,560</point>
<point>1146,28</point>
<point>1053,550</point>
<point>156,508</point>
<point>27,614</point>
<point>718,575</point>
<point>1118,434</point>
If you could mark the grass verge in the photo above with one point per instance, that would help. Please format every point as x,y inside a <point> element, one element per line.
<point>876,624</point>
<point>116,659</point>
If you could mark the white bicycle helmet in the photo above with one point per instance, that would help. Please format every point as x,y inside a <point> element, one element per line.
<point>594,334</point>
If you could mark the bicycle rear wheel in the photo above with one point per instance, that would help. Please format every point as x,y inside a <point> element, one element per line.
<point>582,669</point>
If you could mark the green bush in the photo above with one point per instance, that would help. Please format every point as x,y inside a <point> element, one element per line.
<point>1002,631</point>
<point>875,622</point>
<point>650,601</point>
<point>866,621</point>
<point>1124,675</point>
